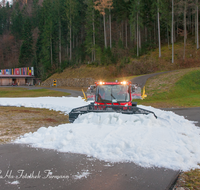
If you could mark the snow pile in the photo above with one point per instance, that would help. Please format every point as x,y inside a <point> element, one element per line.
<point>64,104</point>
<point>169,141</point>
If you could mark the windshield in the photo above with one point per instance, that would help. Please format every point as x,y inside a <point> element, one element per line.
<point>112,93</point>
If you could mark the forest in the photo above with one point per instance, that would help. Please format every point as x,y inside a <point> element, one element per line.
<point>51,35</point>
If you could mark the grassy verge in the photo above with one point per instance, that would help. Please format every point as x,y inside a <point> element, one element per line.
<point>189,180</point>
<point>23,92</point>
<point>175,89</point>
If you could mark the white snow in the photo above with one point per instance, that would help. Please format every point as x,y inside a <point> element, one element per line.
<point>64,104</point>
<point>170,141</point>
<point>13,182</point>
<point>83,174</point>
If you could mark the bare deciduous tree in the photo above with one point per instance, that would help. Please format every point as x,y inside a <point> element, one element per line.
<point>101,5</point>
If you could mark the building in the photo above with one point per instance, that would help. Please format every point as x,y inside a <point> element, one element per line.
<point>17,76</point>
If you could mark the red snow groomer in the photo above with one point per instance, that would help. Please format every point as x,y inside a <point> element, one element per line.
<point>111,97</point>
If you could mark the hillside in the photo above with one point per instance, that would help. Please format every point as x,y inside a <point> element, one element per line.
<point>50,37</point>
<point>130,67</point>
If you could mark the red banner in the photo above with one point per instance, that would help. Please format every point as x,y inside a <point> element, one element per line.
<point>17,71</point>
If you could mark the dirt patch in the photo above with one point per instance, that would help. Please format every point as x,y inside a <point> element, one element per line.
<point>15,121</point>
<point>25,111</point>
<point>49,120</point>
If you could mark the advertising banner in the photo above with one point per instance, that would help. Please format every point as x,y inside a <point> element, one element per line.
<point>7,72</point>
<point>29,71</point>
<point>25,69</point>
<point>32,71</point>
<point>18,71</point>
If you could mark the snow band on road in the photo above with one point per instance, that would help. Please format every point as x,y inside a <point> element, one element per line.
<point>171,141</point>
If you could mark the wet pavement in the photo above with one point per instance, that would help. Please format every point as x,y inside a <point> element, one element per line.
<point>23,167</point>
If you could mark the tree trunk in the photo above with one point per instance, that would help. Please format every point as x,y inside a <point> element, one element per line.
<point>154,32</point>
<point>135,39</point>
<point>140,45</point>
<point>67,49</point>
<point>137,36</point>
<point>104,23</point>
<point>110,29</point>
<point>197,25</point>
<point>51,52</point>
<point>146,36</point>
<point>176,28</point>
<point>172,31</point>
<point>93,37</point>
<point>168,36</point>
<point>130,37</point>
<point>122,33</point>
<point>159,42</point>
<point>185,30</point>
<point>175,36</point>
<point>126,34</point>
<point>70,49</point>
<point>73,41</point>
<point>60,43</point>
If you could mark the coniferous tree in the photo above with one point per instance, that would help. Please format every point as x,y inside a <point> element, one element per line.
<point>26,51</point>
<point>136,17</point>
<point>159,41</point>
<point>182,10</point>
<point>197,23</point>
<point>17,20</point>
<point>90,28</point>
<point>172,29</point>
<point>71,12</point>
<point>46,54</point>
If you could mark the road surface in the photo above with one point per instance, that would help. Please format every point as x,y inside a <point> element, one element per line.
<point>49,169</point>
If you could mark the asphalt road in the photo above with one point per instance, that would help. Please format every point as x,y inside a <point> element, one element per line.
<point>141,80</point>
<point>54,170</point>
<point>192,114</point>
<point>73,93</point>
<point>49,169</point>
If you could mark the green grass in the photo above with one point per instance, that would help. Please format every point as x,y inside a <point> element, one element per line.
<point>23,92</point>
<point>184,93</point>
